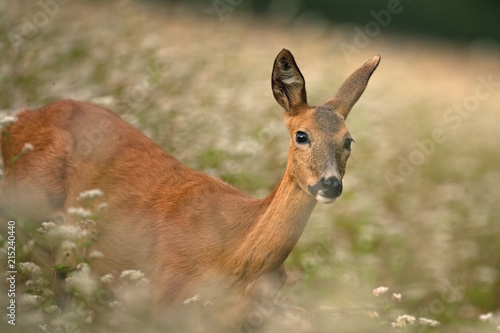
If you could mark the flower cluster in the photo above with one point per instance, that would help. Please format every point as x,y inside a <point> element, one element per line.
<point>135,276</point>
<point>90,194</point>
<point>7,120</point>
<point>402,320</point>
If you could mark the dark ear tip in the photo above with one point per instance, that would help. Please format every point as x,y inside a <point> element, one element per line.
<point>284,53</point>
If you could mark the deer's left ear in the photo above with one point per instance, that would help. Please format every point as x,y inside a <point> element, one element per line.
<point>288,84</point>
<point>352,89</point>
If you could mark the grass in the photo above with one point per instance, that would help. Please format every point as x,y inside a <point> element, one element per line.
<point>418,216</point>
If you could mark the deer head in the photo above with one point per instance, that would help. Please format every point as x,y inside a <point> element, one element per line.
<point>320,143</point>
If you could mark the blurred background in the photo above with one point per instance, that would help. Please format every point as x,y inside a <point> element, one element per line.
<point>466,21</point>
<point>421,209</point>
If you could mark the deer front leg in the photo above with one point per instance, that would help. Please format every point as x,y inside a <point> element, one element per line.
<point>264,311</point>
<point>267,286</point>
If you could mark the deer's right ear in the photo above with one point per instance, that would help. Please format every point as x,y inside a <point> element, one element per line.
<point>288,84</point>
<point>350,91</point>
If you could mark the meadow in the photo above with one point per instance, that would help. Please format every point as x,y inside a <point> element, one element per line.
<point>420,212</point>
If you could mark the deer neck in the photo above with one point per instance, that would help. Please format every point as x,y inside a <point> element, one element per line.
<point>281,219</point>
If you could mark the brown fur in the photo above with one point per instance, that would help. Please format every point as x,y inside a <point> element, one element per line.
<point>187,231</point>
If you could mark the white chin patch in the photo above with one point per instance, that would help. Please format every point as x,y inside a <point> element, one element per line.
<point>325,200</point>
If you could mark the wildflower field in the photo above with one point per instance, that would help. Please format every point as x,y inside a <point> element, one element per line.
<point>413,243</point>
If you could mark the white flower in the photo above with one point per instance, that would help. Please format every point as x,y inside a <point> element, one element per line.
<point>83,266</point>
<point>380,291</point>
<point>87,223</point>
<point>96,255</point>
<point>132,275</point>
<point>486,317</point>
<point>47,293</point>
<point>90,194</point>
<point>404,320</point>
<point>67,232</point>
<point>102,206</point>
<point>49,225</point>
<point>82,281</point>
<point>29,246</point>
<point>42,282</point>
<point>428,322</point>
<point>193,299</point>
<point>6,120</point>
<point>46,226</point>
<point>396,297</point>
<point>44,328</point>
<point>29,301</point>
<point>115,305</point>
<point>80,212</point>
<point>27,147</point>
<point>29,267</point>
<point>144,282</point>
<point>68,246</point>
<point>53,309</point>
<point>89,318</point>
<point>135,276</point>
<point>107,279</point>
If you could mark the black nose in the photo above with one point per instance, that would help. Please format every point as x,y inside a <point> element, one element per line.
<point>331,187</point>
<point>327,187</point>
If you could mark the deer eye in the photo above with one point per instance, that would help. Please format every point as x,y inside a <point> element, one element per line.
<point>347,143</point>
<point>301,138</point>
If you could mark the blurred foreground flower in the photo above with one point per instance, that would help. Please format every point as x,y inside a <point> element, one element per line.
<point>6,120</point>
<point>80,212</point>
<point>96,255</point>
<point>404,320</point>
<point>90,194</point>
<point>46,226</point>
<point>132,275</point>
<point>135,276</point>
<point>193,299</point>
<point>396,297</point>
<point>380,291</point>
<point>63,232</point>
<point>53,309</point>
<point>28,301</point>
<point>108,278</point>
<point>27,147</point>
<point>428,322</point>
<point>30,268</point>
<point>82,282</point>
<point>486,317</point>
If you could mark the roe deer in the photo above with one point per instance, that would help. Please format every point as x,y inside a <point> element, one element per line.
<point>188,232</point>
